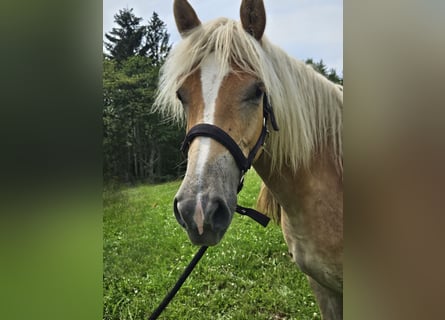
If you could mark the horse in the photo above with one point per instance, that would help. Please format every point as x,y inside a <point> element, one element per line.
<point>243,98</point>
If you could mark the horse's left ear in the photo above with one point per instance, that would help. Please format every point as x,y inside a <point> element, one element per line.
<point>253,17</point>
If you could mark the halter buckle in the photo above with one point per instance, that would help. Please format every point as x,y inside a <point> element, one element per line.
<point>241,181</point>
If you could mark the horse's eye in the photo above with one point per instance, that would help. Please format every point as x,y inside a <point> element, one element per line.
<point>179,96</point>
<point>254,93</point>
<point>258,92</point>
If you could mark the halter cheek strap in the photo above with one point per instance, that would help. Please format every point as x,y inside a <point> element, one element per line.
<point>244,164</point>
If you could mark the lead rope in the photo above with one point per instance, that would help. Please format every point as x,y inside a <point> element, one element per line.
<point>178,284</point>
<point>255,215</point>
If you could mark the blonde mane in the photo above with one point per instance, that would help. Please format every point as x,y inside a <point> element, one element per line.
<point>307,106</point>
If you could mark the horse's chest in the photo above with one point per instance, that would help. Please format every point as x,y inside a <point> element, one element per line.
<point>316,263</point>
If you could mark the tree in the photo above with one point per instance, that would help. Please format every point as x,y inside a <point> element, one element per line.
<point>138,145</point>
<point>125,41</point>
<point>156,40</point>
<point>323,69</point>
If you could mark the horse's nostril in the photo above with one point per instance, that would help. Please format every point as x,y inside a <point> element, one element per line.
<point>177,214</point>
<point>219,215</point>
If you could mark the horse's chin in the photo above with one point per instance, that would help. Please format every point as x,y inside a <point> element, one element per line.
<point>206,239</point>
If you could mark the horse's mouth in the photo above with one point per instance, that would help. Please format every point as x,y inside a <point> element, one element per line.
<point>210,238</point>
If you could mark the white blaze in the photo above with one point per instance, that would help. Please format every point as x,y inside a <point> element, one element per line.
<point>211,79</point>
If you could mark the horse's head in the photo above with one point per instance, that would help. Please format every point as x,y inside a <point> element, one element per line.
<point>230,99</point>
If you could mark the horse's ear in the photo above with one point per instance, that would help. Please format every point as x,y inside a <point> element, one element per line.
<point>185,17</point>
<point>253,17</point>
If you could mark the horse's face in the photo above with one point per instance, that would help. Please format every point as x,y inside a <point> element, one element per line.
<point>231,101</point>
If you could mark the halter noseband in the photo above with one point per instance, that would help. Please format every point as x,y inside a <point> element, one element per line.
<point>216,133</point>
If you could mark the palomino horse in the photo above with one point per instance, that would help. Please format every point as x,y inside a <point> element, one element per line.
<point>221,78</point>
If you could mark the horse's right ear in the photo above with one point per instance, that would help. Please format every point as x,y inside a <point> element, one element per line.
<point>253,17</point>
<point>185,17</point>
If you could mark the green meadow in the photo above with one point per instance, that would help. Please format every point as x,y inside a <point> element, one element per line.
<point>249,275</point>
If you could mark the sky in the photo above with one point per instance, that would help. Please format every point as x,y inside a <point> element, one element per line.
<point>303,28</point>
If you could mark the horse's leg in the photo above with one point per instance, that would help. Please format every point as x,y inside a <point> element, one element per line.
<point>330,302</point>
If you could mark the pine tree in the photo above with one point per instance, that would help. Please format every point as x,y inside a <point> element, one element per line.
<point>125,41</point>
<point>334,77</point>
<point>138,145</point>
<point>321,67</point>
<point>156,40</point>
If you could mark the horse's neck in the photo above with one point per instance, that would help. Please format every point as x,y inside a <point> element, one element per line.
<point>312,215</point>
<point>302,191</point>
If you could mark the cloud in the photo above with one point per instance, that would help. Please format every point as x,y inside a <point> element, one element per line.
<point>314,30</point>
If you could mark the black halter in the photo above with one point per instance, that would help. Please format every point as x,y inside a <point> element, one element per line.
<point>244,164</point>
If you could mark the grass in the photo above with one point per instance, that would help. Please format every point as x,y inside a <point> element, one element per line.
<point>247,276</point>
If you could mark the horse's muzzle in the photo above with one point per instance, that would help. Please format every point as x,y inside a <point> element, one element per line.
<point>206,221</point>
